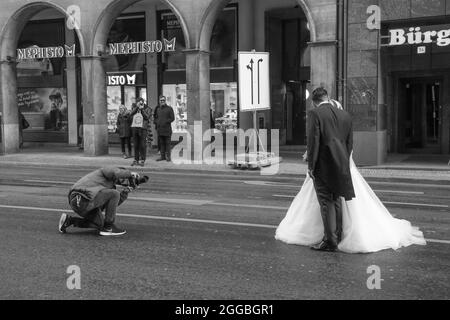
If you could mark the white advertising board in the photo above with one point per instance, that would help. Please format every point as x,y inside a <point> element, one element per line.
<point>254,82</point>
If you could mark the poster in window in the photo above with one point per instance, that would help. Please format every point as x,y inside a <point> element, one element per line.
<point>114,100</point>
<point>45,108</point>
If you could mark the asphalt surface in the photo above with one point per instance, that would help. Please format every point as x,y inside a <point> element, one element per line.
<point>208,236</point>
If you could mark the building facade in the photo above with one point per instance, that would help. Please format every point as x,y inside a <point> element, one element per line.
<point>56,93</point>
<point>397,76</point>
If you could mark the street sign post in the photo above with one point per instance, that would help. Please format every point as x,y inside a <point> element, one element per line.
<point>254,95</point>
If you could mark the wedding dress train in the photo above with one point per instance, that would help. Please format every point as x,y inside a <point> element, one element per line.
<point>367,224</point>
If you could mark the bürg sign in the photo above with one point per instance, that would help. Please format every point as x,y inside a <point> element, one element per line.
<point>415,35</point>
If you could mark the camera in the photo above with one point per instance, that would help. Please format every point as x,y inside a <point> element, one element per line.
<point>134,182</point>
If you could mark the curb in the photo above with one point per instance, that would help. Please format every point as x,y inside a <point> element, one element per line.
<point>236,172</point>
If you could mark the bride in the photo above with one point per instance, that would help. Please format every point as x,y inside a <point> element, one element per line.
<point>367,224</point>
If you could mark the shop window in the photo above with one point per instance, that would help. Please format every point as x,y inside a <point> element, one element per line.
<point>223,47</point>
<point>41,92</point>
<point>224,106</point>
<point>126,78</point>
<point>176,98</point>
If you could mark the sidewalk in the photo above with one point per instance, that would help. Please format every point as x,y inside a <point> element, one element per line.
<point>398,166</point>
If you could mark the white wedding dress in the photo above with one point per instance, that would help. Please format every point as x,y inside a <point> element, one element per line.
<point>367,224</point>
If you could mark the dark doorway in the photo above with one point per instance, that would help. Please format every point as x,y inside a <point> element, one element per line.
<point>419,115</point>
<point>295,104</point>
<point>287,40</point>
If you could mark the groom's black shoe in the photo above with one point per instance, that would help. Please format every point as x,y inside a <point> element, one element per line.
<point>324,246</point>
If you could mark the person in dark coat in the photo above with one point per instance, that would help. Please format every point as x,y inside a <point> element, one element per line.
<point>330,143</point>
<point>23,124</point>
<point>124,130</point>
<point>140,115</point>
<point>155,112</point>
<point>164,117</point>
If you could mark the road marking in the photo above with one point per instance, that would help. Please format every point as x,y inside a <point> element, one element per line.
<point>264,183</point>
<point>176,201</point>
<point>390,183</point>
<point>441,206</point>
<point>283,196</point>
<point>380,191</point>
<point>49,182</point>
<point>242,224</point>
<point>401,192</point>
<point>255,206</point>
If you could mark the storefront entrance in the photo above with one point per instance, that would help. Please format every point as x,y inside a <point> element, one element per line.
<point>420,114</point>
<point>295,113</point>
<point>287,41</point>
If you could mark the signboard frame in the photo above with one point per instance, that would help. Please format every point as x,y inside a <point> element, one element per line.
<point>259,97</point>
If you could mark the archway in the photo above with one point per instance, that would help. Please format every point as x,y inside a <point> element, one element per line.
<point>9,41</point>
<point>142,21</point>
<point>217,6</point>
<point>284,28</point>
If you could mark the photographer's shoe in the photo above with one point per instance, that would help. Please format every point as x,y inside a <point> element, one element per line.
<point>142,163</point>
<point>64,223</point>
<point>111,231</point>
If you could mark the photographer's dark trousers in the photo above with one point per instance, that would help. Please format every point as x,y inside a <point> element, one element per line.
<point>125,141</point>
<point>331,212</point>
<point>91,211</point>
<point>165,147</point>
<point>140,143</point>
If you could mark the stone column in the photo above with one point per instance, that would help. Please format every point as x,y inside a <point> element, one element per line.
<point>198,97</point>
<point>71,76</point>
<point>152,66</point>
<point>323,65</point>
<point>9,110</point>
<point>445,118</point>
<point>247,42</point>
<point>95,122</point>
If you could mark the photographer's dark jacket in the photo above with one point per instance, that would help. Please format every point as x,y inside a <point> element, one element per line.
<point>105,178</point>
<point>146,114</point>
<point>164,117</point>
<point>124,125</point>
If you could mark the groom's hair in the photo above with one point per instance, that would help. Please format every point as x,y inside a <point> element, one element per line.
<point>319,95</point>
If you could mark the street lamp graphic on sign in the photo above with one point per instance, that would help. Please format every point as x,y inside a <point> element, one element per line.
<point>259,83</point>
<point>254,89</point>
<point>250,67</point>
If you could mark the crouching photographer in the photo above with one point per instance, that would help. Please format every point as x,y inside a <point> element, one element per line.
<point>96,192</point>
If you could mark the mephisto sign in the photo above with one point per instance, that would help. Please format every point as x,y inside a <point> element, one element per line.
<point>415,35</point>
<point>35,52</point>
<point>142,47</point>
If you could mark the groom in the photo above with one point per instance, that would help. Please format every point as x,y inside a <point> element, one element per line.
<point>330,143</point>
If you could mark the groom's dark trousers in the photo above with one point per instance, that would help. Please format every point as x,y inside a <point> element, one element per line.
<point>331,212</point>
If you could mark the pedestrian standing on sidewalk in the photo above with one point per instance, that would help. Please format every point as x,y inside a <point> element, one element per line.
<point>164,118</point>
<point>140,115</point>
<point>94,193</point>
<point>23,124</point>
<point>124,131</point>
<point>155,115</point>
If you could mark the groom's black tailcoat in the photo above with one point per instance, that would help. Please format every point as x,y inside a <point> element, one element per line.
<point>330,143</point>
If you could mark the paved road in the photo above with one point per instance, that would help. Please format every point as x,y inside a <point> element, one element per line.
<point>208,236</point>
